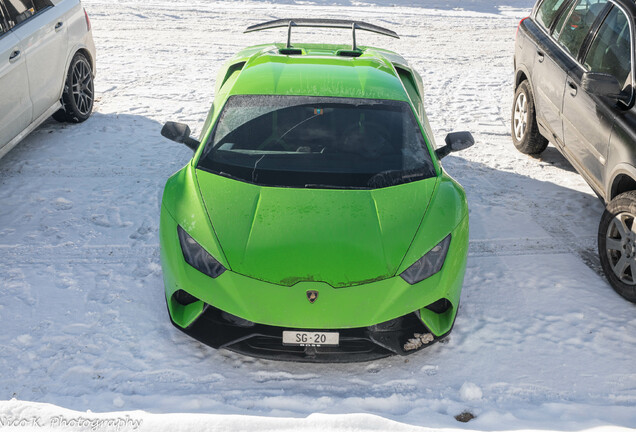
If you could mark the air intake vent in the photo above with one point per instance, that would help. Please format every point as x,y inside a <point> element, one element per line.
<point>290,51</point>
<point>440,306</point>
<point>409,82</point>
<point>234,69</point>
<point>184,298</point>
<point>349,53</point>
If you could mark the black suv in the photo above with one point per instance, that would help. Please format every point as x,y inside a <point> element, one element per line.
<point>574,87</point>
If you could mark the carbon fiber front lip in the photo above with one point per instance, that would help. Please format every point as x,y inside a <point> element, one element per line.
<point>262,341</point>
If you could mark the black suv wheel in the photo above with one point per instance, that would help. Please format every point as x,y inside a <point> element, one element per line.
<point>617,244</point>
<point>525,132</point>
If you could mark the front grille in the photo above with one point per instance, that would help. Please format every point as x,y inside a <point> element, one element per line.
<point>352,348</point>
<point>357,344</point>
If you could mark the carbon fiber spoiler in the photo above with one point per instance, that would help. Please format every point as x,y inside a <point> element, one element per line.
<point>325,23</point>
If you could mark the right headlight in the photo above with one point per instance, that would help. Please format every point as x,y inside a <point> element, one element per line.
<point>198,257</point>
<point>429,264</point>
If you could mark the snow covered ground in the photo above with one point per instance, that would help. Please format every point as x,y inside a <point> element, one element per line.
<point>541,341</point>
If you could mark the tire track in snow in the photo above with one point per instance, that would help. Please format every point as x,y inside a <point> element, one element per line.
<point>584,247</point>
<point>12,255</point>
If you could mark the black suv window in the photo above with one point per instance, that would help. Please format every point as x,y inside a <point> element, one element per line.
<point>547,12</point>
<point>610,51</point>
<point>574,25</point>
<point>21,10</point>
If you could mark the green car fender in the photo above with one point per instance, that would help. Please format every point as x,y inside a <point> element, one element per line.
<point>446,211</point>
<point>447,214</point>
<point>182,205</point>
<point>182,200</point>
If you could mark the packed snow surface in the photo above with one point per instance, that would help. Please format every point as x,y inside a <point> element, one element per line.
<point>541,340</point>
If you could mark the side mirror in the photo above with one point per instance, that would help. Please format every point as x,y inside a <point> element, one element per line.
<point>456,141</point>
<point>601,84</point>
<point>179,132</point>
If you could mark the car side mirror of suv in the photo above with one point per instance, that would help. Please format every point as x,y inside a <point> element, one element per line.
<point>602,84</point>
<point>179,132</point>
<point>455,141</point>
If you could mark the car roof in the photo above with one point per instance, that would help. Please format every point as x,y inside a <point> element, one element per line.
<point>318,70</point>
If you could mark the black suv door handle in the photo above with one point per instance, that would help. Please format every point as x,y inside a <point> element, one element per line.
<point>540,56</point>
<point>59,25</point>
<point>573,88</point>
<point>14,55</point>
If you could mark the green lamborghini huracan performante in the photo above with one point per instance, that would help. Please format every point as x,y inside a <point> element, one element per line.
<point>315,222</point>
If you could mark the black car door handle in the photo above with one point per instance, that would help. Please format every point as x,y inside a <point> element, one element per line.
<point>540,56</point>
<point>14,55</point>
<point>573,88</point>
<point>59,25</point>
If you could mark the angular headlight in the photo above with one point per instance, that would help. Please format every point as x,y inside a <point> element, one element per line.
<point>198,257</point>
<point>429,264</point>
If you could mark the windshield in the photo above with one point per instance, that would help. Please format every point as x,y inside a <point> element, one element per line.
<point>316,142</point>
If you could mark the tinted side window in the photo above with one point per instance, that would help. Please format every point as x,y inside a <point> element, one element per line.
<point>547,12</point>
<point>574,25</point>
<point>21,10</point>
<point>4,27</point>
<point>610,51</point>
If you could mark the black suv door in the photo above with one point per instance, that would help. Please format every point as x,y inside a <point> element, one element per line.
<point>587,118</point>
<point>554,60</point>
<point>549,73</point>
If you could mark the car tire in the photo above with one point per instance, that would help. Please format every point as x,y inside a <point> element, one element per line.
<point>617,244</point>
<point>525,131</point>
<point>78,95</point>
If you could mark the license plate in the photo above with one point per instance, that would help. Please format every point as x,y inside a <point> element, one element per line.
<point>299,338</point>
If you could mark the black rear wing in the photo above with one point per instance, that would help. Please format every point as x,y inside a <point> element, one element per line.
<point>325,23</point>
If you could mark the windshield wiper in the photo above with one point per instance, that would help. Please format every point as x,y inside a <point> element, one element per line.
<point>230,176</point>
<point>396,177</point>
<point>254,176</point>
<point>408,177</point>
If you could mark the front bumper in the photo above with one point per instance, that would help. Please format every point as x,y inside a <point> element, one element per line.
<point>357,312</point>
<point>218,330</point>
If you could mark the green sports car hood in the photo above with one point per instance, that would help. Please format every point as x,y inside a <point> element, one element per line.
<point>289,235</point>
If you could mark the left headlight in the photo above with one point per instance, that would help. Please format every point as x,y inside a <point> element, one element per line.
<point>429,264</point>
<point>198,257</point>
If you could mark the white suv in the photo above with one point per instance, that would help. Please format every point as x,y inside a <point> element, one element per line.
<point>47,66</point>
